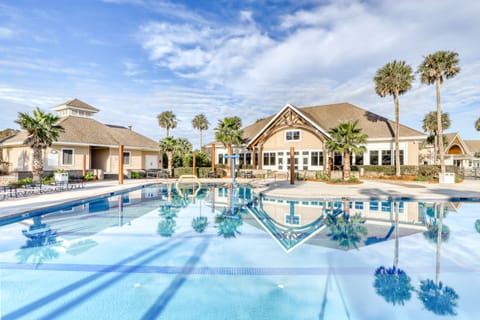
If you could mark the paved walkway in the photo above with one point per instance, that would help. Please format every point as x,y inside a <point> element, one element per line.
<point>303,190</point>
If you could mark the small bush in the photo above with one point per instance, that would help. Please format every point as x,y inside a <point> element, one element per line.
<point>89,176</point>
<point>135,175</point>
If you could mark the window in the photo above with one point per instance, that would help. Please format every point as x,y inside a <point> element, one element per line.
<point>386,157</point>
<point>316,158</point>
<point>337,158</point>
<point>374,157</point>
<point>374,206</point>
<point>401,157</point>
<point>305,160</point>
<point>220,158</point>
<point>280,163</point>
<point>292,219</point>
<point>293,135</point>
<point>269,158</point>
<point>359,159</point>
<point>67,157</point>
<point>358,205</point>
<point>386,207</point>
<point>126,158</point>
<point>248,158</point>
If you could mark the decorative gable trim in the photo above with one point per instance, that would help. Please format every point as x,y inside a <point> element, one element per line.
<point>302,118</point>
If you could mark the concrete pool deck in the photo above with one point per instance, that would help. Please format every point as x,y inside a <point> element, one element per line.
<point>377,189</point>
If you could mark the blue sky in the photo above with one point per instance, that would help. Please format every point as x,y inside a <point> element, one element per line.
<point>133,59</point>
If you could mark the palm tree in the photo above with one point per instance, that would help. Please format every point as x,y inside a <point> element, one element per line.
<point>167,120</point>
<point>393,79</point>
<point>430,125</point>
<point>42,130</point>
<point>229,132</point>
<point>200,123</point>
<point>169,145</point>
<point>477,124</point>
<point>346,138</point>
<point>183,146</point>
<point>434,69</point>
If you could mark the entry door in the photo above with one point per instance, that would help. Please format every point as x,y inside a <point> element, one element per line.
<point>151,162</point>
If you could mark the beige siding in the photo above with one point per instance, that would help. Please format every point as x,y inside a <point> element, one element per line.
<point>278,141</point>
<point>18,157</point>
<point>413,153</point>
<point>78,153</point>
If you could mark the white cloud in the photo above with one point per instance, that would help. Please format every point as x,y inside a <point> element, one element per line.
<point>6,33</point>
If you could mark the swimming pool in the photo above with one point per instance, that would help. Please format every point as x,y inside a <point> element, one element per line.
<point>153,254</point>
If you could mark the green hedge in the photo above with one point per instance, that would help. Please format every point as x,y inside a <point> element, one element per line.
<point>423,170</point>
<point>201,172</point>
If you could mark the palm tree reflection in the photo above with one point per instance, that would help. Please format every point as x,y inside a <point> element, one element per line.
<point>38,248</point>
<point>435,296</point>
<point>346,229</point>
<point>393,284</point>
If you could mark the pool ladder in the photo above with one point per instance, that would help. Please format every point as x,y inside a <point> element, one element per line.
<point>188,176</point>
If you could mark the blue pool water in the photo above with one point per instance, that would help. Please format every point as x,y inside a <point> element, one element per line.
<point>228,253</point>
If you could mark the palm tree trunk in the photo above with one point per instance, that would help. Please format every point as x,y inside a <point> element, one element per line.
<point>170,162</point>
<point>435,146</point>
<point>397,130</point>
<point>440,129</point>
<point>346,166</point>
<point>37,166</point>
<point>230,153</point>
<point>201,144</point>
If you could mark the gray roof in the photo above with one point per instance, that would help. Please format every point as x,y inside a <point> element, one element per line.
<point>77,104</point>
<point>329,116</point>
<point>87,131</point>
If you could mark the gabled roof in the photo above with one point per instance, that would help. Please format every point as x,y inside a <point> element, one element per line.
<point>473,145</point>
<point>76,104</point>
<point>454,138</point>
<point>87,131</point>
<point>295,110</point>
<point>329,116</point>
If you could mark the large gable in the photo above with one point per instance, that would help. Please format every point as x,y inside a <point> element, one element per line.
<point>326,117</point>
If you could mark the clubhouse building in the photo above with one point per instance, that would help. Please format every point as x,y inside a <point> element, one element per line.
<point>267,143</point>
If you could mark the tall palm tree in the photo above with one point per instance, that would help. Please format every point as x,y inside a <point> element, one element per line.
<point>200,123</point>
<point>169,145</point>
<point>42,129</point>
<point>393,79</point>
<point>167,120</point>
<point>346,138</point>
<point>434,69</point>
<point>229,132</point>
<point>430,125</point>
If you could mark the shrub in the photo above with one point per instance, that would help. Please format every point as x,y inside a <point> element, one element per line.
<point>135,175</point>
<point>89,176</point>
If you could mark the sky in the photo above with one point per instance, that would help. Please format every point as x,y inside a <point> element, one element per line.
<point>134,59</point>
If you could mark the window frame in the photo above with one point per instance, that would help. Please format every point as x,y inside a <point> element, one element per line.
<point>72,155</point>
<point>292,132</point>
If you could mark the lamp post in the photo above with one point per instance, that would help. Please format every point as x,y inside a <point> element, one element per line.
<point>233,157</point>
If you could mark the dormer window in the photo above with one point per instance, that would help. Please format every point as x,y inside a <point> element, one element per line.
<point>292,135</point>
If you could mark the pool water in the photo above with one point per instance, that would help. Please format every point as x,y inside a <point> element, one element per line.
<point>227,253</point>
